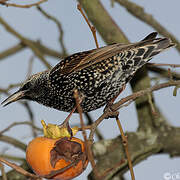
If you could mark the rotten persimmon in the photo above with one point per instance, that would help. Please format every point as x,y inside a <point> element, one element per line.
<point>61,159</point>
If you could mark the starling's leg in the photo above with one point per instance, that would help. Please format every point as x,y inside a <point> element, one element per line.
<point>110,103</point>
<point>66,122</point>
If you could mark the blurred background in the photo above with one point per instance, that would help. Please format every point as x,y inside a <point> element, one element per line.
<point>77,37</point>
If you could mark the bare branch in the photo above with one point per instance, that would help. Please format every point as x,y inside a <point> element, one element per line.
<point>25,41</point>
<point>13,142</point>
<point>90,121</point>
<point>87,142</point>
<point>11,86</point>
<point>18,169</point>
<point>127,99</point>
<point>103,22</point>
<point>125,144</point>
<point>92,28</point>
<point>12,158</point>
<point>163,72</point>
<point>20,46</point>
<point>139,12</point>
<point>31,118</point>
<point>5,3</point>
<point>61,32</point>
<point>20,123</point>
<point>3,172</point>
<point>135,95</point>
<point>11,51</point>
<point>30,66</point>
<point>164,64</point>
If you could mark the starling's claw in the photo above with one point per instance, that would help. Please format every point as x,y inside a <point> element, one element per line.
<point>108,106</point>
<point>111,113</point>
<point>66,125</point>
<point>69,130</point>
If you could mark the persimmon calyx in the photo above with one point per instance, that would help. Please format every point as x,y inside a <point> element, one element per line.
<point>54,131</point>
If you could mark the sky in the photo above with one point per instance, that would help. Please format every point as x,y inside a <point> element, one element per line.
<point>77,37</point>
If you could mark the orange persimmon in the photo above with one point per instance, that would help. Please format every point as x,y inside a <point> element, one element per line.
<point>45,155</point>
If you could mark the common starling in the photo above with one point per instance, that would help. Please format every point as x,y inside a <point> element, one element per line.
<point>99,75</point>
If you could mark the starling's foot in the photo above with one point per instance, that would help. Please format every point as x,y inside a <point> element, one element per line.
<point>111,112</point>
<point>108,106</point>
<point>66,122</point>
<point>66,125</point>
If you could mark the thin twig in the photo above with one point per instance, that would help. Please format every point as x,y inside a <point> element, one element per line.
<point>76,96</point>
<point>11,86</point>
<point>13,141</point>
<point>5,3</point>
<point>20,46</point>
<point>68,117</point>
<point>139,12</point>
<point>92,28</point>
<point>19,123</point>
<point>140,93</point>
<point>95,124</point>
<point>12,50</point>
<point>125,144</point>
<point>26,104</point>
<point>87,142</point>
<point>25,41</point>
<point>30,66</point>
<point>90,121</point>
<point>128,100</point>
<point>164,64</point>
<point>61,32</point>
<point>31,118</point>
<point>152,105</point>
<point>85,127</point>
<point>163,72</point>
<point>3,173</point>
<point>18,169</point>
<point>170,74</point>
<point>12,158</point>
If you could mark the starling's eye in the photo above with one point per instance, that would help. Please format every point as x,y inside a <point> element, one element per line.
<point>26,86</point>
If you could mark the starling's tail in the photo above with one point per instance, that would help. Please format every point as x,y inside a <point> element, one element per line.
<point>150,36</point>
<point>159,45</point>
<point>138,54</point>
<point>149,47</point>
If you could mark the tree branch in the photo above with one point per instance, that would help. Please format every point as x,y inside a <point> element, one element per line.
<point>165,140</point>
<point>13,142</point>
<point>163,72</point>
<point>5,3</point>
<point>61,32</point>
<point>103,22</point>
<point>20,46</point>
<point>139,12</point>
<point>25,41</point>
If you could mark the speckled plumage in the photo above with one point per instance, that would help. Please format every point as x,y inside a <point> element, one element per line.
<point>98,74</point>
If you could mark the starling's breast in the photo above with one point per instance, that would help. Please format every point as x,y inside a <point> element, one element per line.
<point>98,84</point>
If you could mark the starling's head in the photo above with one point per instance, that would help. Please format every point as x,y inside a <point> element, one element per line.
<point>33,88</point>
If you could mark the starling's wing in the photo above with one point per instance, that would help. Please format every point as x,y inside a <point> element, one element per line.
<point>141,51</point>
<point>69,63</point>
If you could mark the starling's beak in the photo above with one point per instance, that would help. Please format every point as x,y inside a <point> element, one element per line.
<point>14,97</point>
